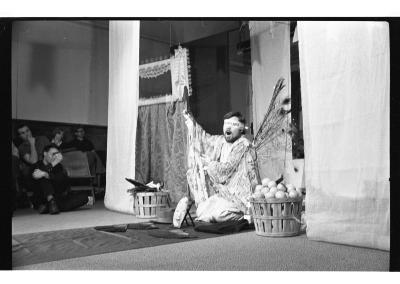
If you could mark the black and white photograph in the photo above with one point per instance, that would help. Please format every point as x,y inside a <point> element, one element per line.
<point>200,144</point>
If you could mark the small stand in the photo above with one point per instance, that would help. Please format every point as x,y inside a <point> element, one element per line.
<point>191,202</point>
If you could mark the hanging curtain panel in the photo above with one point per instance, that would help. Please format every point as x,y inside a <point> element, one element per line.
<point>122,113</point>
<point>344,69</point>
<point>161,147</point>
<point>270,60</point>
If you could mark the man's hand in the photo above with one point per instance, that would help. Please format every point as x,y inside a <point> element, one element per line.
<point>37,174</point>
<point>188,119</point>
<point>31,140</point>
<point>57,159</point>
<point>205,161</point>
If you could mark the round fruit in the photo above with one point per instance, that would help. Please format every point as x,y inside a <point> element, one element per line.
<point>273,189</point>
<point>290,186</point>
<point>265,190</point>
<point>299,191</point>
<point>258,188</point>
<point>265,181</point>
<point>271,184</point>
<point>280,194</point>
<point>293,194</point>
<point>269,195</point>
<point>281,187</point>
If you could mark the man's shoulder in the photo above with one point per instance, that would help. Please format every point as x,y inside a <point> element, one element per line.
<point>244,141</point>
<point>42,139</point>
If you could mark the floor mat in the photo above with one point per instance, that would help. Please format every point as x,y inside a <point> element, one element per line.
<point>64,244</point>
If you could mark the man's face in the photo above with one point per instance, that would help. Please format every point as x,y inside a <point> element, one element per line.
<point>59,136</point>
<point>79,133</point>
<point>232,129</point>
<point>24,133</point>
<point>50,156</point>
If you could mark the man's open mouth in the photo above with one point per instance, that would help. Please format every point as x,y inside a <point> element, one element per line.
<point>228,132</point>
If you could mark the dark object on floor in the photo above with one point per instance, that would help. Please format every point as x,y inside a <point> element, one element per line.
<point>142,226</point>
<point>43,209</point>
<point>171,234</point>
<point>112,228</point>
<point>73,200</point>
<point>53,208</point>
<point>227,227</point>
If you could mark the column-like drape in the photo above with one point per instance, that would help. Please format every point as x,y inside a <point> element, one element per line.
<point>122,113</point>
<point>270,60</point>
<point>344,69</point>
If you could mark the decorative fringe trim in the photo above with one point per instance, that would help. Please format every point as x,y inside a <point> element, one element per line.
<point>154,69</point>
<point>189,75</point>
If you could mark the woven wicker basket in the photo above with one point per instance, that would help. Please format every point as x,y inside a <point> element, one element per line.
<point>147,203</point>
<point>277,217</point>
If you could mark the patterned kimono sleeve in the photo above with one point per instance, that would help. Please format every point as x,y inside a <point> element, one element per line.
<point>220,172</point>
<point>200,143</point>
<point>207,144</point>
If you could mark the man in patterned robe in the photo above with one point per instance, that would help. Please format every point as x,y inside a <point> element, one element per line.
<point>222,169</point>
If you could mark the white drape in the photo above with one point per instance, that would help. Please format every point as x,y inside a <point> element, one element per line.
<point>344,69</point>
<point>122,113</point>
<point>270,60</point>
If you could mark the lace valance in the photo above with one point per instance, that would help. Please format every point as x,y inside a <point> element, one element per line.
<point>179,68</point>
<point>154,69</point>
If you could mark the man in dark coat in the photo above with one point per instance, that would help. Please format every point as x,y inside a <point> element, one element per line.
<point>52,191</point>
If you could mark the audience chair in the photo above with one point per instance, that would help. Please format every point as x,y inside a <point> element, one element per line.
<point>77,167</point>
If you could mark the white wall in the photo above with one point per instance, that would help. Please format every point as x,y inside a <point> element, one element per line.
<point>60,71</point>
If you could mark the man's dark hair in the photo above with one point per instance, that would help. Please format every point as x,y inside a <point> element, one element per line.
<point>19,126</point>
<point>237,114</point>
<point>56,131</point>
<point>79,127</point>
<point>50,146</point>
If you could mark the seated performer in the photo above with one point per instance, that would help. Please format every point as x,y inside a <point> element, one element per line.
<point>222,169</point>
<point>52,191</point>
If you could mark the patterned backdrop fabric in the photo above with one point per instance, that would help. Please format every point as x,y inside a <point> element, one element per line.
<point>161,147</point>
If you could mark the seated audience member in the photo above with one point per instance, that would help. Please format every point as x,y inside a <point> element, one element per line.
<point>81,143</point>
<point>52,191</point>
<point>57,138</point>
<point>222,169</point>
<point>30,151</point>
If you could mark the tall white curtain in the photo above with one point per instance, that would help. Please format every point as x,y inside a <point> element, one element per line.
<point>344,69</point>
<point>270,60</point>
<point>122,113</point>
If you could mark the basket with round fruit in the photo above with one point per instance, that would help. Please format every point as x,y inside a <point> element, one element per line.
<point>276,209</point>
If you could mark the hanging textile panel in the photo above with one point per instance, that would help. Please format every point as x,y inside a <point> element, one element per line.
<point>344,69</point>
<point>122,113</point>
<point>270,60</point>
<point>161,147</point>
